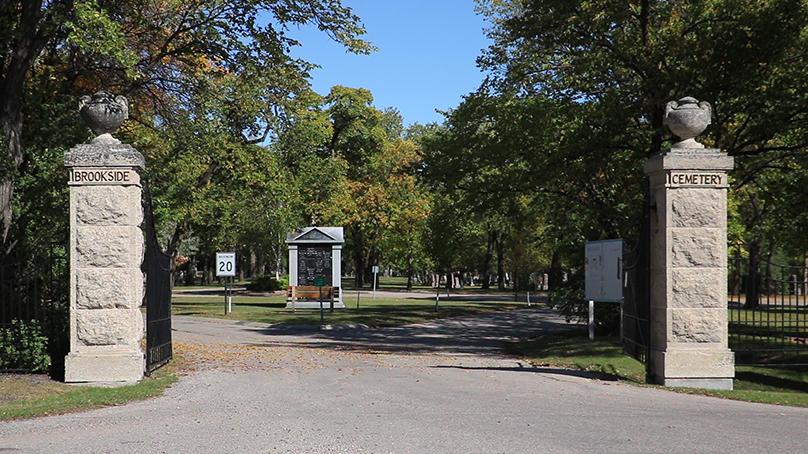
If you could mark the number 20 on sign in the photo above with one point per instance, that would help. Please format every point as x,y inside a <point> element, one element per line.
<point>225,264</point>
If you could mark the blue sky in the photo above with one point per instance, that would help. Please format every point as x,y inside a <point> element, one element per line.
<point>425,61</point>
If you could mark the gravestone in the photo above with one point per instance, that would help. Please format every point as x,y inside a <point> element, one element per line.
<point>106,250</point>
<point>316,252</point>
<point>688,272</point>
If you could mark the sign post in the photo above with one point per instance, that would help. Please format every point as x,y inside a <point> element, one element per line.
<point>226,268</point>
<point>375,273</point>
<point>319,282</point>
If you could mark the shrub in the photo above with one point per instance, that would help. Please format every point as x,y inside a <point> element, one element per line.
<point>268,284</point>
<point>23,346</point>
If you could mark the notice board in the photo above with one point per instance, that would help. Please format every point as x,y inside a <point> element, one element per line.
<point>313,261</point>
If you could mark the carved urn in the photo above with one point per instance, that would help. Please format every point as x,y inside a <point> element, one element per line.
<point>104,114</point>
<point>687,118</point>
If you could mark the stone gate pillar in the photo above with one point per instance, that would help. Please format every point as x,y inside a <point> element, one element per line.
<point>688,275</point>
<point>106,250</point>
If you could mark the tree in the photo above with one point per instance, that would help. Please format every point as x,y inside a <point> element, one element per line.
<point>164,56</point>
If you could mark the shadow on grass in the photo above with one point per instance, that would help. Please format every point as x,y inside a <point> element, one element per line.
<point>771,381</point>
<point>542,370</point>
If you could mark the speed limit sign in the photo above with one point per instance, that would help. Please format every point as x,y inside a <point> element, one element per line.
<point>225,264</point>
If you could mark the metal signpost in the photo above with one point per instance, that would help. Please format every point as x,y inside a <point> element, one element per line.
<point>226,267</point>
<point>375,273</point>
<point>319,282</point>
<point>604,277</point>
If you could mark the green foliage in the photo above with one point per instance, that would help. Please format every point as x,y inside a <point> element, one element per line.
<point>94,32</point>
<point>23,346</point>
<point>268,284</point>
<point>208,83</point>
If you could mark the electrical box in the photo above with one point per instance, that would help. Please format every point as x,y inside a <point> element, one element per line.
<point>604,271</point>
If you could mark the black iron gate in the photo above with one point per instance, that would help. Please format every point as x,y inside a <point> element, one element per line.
<point>157,267</point>
<point>636,292</point>
<point>768,313</point>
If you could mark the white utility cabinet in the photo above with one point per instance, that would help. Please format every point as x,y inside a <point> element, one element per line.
<point>604,271</point>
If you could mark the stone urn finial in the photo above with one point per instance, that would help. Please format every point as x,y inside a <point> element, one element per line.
<point>687,118</point>
<point>104,114</point>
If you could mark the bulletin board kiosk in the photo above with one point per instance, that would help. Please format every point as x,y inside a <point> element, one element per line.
<point>315,271</point>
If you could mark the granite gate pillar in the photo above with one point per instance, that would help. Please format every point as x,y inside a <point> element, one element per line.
<point>106,250</point>
<point>688,278</point>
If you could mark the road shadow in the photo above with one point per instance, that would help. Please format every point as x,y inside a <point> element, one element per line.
<point>480,335</point>
<point>540,370</point>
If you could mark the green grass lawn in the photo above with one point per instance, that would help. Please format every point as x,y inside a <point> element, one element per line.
<point>378,312</point>
<point>781,386</point>
<point>574,350</point>
<point>27,396</point>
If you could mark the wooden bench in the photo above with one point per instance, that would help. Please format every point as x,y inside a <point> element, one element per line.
<point>310,292</point>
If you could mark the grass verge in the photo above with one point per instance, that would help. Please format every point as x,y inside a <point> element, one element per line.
<point>372,312</point>
<point>27,396</point>
<point>573,350</point>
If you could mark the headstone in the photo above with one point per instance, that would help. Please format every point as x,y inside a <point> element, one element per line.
<point>688,272</point>
<point>316,253</point>
<point>106,250</point>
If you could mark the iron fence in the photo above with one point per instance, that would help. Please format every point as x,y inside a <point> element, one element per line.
<point>33,286</point>
<point>768,313</point>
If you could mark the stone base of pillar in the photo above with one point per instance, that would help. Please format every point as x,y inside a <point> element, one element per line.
<point>724,384</point>
<point>316,305</point>
<point>107,367</point>
<point>695,368</point>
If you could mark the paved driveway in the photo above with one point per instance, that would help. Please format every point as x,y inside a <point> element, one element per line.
<point>440,387</point>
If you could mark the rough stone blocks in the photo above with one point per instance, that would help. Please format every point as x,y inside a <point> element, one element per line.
<point>698,287</point>
<point>123,327</point>
<point>698,325</point>
<point>698,207</point>
<point>109,247</point>
<point>109,288</point>
<point>698,247</point>
<point>108,205</point>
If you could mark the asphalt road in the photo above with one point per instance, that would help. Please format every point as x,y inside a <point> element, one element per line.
<point>420,389</point>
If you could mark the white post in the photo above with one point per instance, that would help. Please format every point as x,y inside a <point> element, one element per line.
<point>375,272</point>
<point>293,265</point>
<point>591,320</point>
<point>336,271</point>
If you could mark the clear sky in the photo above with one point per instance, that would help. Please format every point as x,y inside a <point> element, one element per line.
<point>425,61</point>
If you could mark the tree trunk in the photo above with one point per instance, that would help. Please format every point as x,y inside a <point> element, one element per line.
<point>554,277</point>
<point>752,277</point>
<point>769,284</point>
<point>486,268</point>
<point>500,261</point>
<point>805,274</point>
<point>410,272</point>
<point>358,259</point>
<point>24,50</point>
